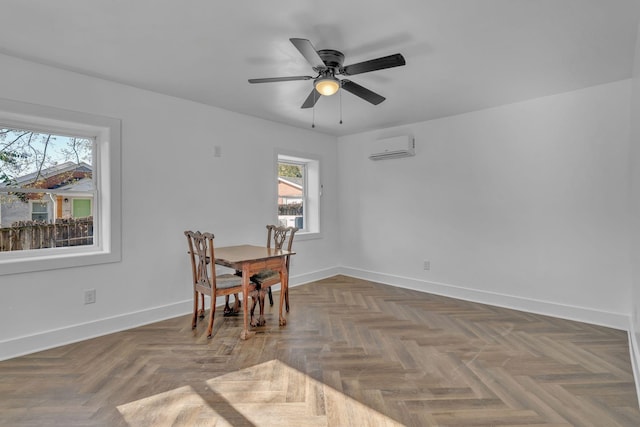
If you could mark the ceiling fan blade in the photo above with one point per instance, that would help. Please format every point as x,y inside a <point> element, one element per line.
<point>390,61</point>
<point>362,92</point>
<point>309,52</point>
<point>311,99</point>
<point>280,79</point>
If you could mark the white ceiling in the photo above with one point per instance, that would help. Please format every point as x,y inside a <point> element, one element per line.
<point>462,55</point>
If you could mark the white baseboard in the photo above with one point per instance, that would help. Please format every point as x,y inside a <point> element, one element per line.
<point>314,276</point>
<point>54,338</point>
<point>634,352</point>
<point>580,314</point>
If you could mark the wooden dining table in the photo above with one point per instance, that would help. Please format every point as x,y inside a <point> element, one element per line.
<point>250,260</point>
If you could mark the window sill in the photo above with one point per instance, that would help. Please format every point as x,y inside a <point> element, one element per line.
<point>18,263</point>
<point>308,235</point>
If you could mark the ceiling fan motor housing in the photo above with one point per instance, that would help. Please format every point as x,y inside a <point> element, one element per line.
<point>332,58</point>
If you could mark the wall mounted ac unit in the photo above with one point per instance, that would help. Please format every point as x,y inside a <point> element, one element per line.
<point>393,148</point>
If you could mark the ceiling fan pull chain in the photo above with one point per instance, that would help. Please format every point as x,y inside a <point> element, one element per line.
<point>313,114</point>
<point>340,104</point>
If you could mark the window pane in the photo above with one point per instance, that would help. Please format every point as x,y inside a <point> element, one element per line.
<point>39,207</point>
<point>291,194</point>
<point>61,165</point>
<point>39,211</point>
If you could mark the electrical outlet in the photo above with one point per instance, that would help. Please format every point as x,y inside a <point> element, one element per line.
<point>90,296</point>
<point>427,265</point>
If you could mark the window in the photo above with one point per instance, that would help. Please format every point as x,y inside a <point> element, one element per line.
<point>59,188</point>
<point>291,194</point>
<point>39,211</point>
<point>298,194</point>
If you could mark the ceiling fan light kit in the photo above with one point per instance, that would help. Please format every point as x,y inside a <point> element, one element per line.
<point>327,86</point>
<point>328,63</point>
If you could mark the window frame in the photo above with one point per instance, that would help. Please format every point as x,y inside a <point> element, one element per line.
<point>311,190</point>
<point>38,202</point>
<point>106,132</point>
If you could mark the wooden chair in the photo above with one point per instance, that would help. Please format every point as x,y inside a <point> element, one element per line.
<point>276,237</point>
<point>205,280</point>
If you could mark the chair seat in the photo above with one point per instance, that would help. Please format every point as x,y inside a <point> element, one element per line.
<point>226,281</point>
<point>265,276</point>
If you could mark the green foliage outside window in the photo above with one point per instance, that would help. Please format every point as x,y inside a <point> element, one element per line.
<point>289,170</point>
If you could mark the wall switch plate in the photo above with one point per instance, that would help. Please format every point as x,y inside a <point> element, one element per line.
<point>427,265</point>
<point>90,296</point>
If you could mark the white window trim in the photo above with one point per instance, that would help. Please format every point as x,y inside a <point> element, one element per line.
<point>313,190</point>
<point>106,132</point>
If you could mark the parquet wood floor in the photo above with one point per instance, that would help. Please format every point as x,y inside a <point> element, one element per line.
<point>354,353</point>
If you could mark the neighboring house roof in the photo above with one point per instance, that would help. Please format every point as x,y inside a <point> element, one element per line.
<point>84,184</point>
<point>47,176</point>
<point>288,188</point>
<point>296,182</point>
<point>55,170</point>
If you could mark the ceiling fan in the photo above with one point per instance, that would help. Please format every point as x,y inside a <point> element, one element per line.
<point>328,64</point>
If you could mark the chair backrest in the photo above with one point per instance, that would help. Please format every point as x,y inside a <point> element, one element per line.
<point>277,235</point>
<point>201,253</point>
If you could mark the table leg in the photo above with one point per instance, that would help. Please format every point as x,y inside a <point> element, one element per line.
<point>245,334</point>
<point>284,285</point>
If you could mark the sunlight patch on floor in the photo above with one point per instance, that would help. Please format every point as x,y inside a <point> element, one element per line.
<point>269,394</point>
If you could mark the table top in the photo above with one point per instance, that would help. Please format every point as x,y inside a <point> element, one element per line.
<point>240,253</point>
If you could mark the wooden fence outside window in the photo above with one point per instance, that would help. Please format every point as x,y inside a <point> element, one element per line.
<point>25,235</point>
<point>290,209</point>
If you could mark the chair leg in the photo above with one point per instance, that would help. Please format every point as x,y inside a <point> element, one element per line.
<point>228,311</point>
<point>227,308</point>
<point>271,298</point>
<point>255,295</point>
<point>286,300</point>
<point>194,320</point>
<point>212,312</point>
<point>201,313</point>
<point>261,319</point>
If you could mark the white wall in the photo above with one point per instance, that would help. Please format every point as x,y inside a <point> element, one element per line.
<point>171,182</point>
<point>635,213</point>
<point>525,205</point>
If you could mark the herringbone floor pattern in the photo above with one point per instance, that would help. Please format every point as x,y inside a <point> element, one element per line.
<point>353,353</point>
